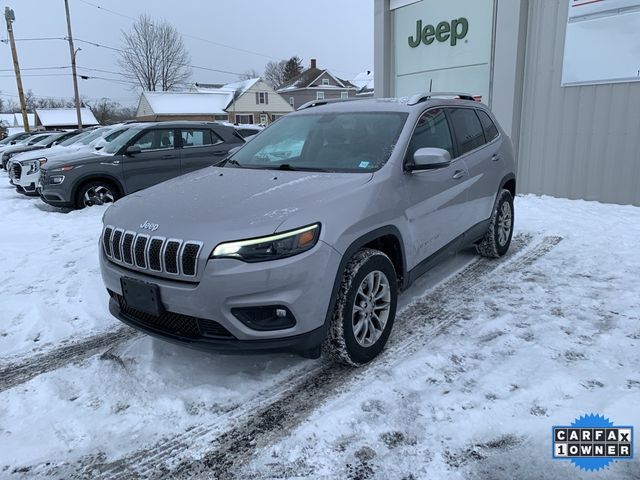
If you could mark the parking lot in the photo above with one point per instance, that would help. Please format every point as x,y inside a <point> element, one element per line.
<point>485,358</point>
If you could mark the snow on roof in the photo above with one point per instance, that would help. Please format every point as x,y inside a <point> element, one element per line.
<point>237,88</point>
<point>364,80</point>
<point>6,119</point>
<point>54,117</point>
<point>17,119</point>
<point>209,102</point>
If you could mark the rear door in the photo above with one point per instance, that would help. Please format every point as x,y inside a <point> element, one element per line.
<point>201,147</point>
<point>436,198</point>
<point>477,155</point>
<point>158,160</point>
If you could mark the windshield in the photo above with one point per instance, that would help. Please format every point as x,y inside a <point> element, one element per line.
<point>51,138</point>
<point>75,139</point>
<point>16,136</point>
<point>344,142</point>
<point>120,141</point>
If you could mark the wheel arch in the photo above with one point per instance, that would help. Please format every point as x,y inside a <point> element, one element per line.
<point>387,239</point>
<point>94,178</point>
<point>508,182</point>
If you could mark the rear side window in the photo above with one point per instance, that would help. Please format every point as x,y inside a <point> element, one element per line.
<point>490,129</point>
<point>432,131</point>
<point>469,133</point>
<point>199,138</point>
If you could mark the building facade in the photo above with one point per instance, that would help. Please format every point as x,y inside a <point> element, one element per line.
<point>316,84</point>
<point>561,76</point>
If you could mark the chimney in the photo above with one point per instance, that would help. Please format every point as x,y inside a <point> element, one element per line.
<point>313,63</point>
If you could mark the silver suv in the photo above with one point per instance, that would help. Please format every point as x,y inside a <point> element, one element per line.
<point>303,238</point>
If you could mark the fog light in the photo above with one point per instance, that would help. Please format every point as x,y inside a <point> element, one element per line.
<point>57,180</point>
<point>265,318</point>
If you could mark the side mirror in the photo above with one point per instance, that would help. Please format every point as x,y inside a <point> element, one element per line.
<point>133,149</point>
<point>429,159</point>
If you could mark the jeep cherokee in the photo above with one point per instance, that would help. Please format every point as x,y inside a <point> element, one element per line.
<point>305,235</point>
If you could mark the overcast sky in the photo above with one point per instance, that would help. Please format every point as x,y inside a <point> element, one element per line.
<point>338,33</point>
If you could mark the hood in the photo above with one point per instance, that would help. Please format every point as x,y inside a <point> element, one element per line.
<point>55,151</point>
<point>73,157</point>
<point>22,148</point>
<point>223,204</point>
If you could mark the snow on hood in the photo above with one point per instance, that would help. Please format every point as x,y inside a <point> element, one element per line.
<point>222,204</point>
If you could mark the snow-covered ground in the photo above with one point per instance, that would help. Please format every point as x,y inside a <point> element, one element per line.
<point>485,357</point>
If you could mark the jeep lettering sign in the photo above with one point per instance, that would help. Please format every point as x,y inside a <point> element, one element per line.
<point>444,32</point>
<point>442,45</point>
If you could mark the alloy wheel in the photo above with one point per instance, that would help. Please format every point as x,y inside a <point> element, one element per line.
<point>371,308</point>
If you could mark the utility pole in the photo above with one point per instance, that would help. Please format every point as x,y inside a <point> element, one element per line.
<point>10,17</point>
<point>73,64</point>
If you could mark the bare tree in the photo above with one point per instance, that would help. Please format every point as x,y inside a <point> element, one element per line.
<point>108,112</point>
<point>249,74</point>
<point>154,55</point>
<point>274,73</point>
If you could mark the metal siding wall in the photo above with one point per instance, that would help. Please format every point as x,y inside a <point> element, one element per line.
<point>576,142</point>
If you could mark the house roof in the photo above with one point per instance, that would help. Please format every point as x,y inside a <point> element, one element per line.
<point>17,119</point>
<point>209,102</point>
<point>236,88</point>
<point>6,119</point>
<point>308,78</point>
<point>53,117</point>
<point>364,81</point>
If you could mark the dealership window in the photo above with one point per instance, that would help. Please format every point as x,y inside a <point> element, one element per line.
<point>262,98</point>
<point>275,117</point>
<point>432,131</point>
<point>344,95</point>
<point>325,81</point>
<point>199,138</point>
<point>490,129</point>
<point>319,95</point>
<point>244,119</point>
<point>468,129</point>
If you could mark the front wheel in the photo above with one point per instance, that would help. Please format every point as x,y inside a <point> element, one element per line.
<point>96,193</point>
<point>498,237</point>
<point>365,309</point>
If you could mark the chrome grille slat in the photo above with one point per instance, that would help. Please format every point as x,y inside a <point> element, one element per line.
<point>155,255</point>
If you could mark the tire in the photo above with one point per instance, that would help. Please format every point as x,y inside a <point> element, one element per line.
<point>101,191</point>
<point>347,342</point>
<point>498,238</point>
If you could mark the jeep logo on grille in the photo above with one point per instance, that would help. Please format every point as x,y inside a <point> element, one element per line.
<point>149,226</point>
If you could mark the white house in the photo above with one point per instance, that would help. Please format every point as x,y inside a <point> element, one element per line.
<point>248,102</point>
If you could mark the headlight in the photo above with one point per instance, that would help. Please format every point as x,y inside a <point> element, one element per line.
<point>273,247</point>
<point>34,165</point>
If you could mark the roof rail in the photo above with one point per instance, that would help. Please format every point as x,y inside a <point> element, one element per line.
<point>423,97</point>
<point>317,103</point>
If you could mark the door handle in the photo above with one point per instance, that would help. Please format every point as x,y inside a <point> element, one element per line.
<point>496,157</point>
<point>458,175</point>
<point>168,156</point>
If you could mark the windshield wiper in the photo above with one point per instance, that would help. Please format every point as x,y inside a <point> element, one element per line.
<point>231,161</point>
<point>291,168</point>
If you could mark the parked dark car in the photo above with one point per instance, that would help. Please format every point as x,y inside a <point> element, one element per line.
<point>37,142</point>
<point>146,154</point>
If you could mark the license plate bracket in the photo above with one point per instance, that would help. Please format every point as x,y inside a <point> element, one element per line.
<point>142,296</point>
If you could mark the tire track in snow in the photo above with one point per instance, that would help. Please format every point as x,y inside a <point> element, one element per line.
<point>20,371</point>
<point>278,410</point>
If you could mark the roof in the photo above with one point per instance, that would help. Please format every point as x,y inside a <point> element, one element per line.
<point>236,88</point>
<point>308,77</point>
<point>189,103</point>
<point>364,82</point>
<point>53,117</point>
<point>31,117</point>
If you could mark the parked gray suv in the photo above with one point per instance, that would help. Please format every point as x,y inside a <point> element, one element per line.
<point>144,155</point>
<point>304,237</point>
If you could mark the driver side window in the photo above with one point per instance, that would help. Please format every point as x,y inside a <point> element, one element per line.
<point>432,131</point>
<point>160,139</point>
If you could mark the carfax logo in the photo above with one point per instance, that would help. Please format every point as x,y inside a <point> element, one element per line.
<point>592,442</point>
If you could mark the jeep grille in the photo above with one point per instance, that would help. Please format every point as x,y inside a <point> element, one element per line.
<point>153,254</point>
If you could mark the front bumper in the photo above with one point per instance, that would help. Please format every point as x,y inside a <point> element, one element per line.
<point>302,283</point>
<point>58,195</point>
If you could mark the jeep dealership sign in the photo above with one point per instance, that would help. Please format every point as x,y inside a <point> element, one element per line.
<point>443,46</point>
